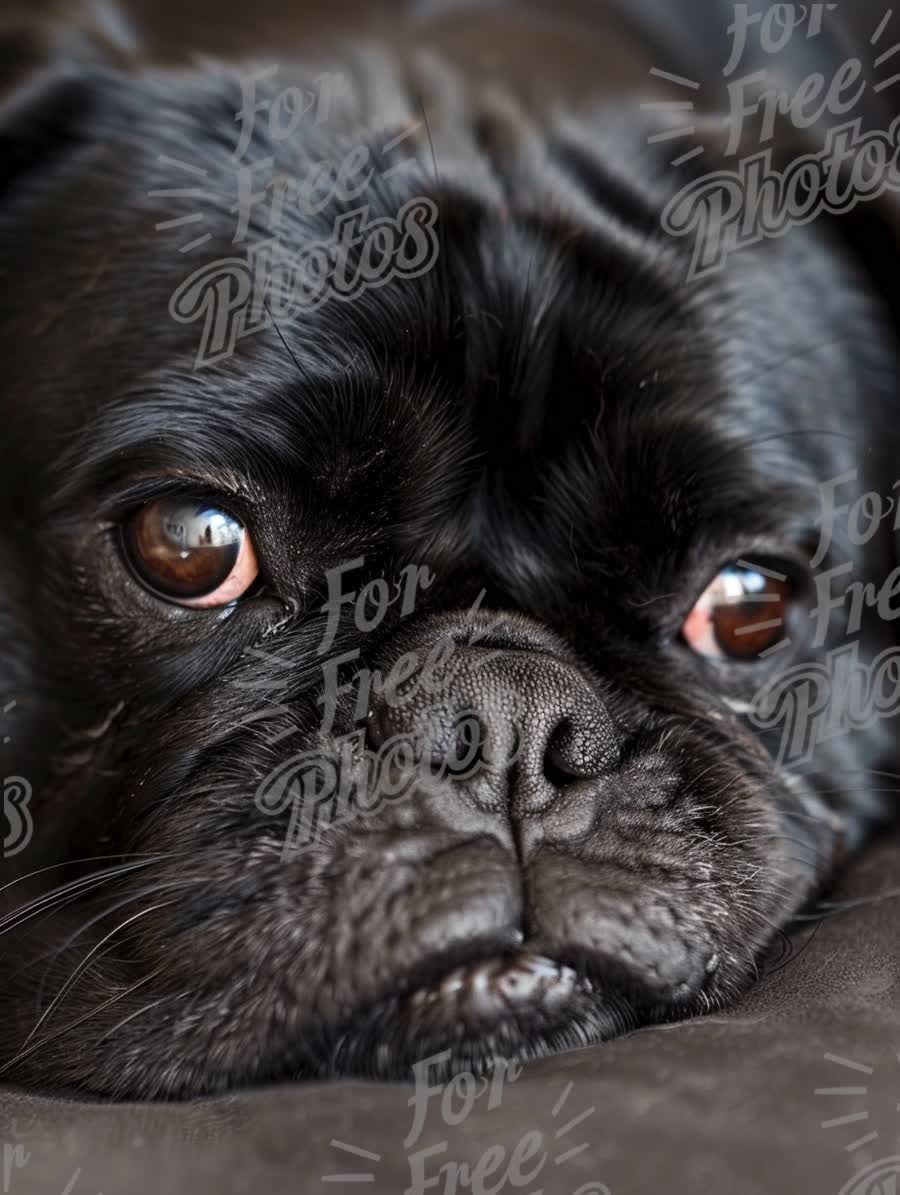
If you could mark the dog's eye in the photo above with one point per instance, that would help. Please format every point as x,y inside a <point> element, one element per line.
<point>190,553</point>
<point>740,615</point>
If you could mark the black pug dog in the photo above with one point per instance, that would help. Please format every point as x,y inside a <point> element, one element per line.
<point>423,580</point>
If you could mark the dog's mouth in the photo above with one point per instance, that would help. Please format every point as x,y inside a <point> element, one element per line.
<point>515,1006</point>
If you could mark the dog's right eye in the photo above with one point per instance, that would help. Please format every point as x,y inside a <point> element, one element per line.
<point>189,552</point>
<point>740,615</point>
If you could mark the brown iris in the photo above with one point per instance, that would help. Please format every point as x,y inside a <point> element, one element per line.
<point>190,552</point>
<point>741,614</point>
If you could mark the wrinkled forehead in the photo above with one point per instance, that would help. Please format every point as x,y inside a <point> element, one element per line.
<point>584,480</point>
<point>544,378</point>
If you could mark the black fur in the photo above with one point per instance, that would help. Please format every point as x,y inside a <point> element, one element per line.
<point>551,416</point>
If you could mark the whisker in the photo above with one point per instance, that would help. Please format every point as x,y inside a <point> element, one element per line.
<point>830,909</point>
<point>89,859</point>
<point>287,347</point>
<point>793,955</point>
<point>74,888</point>
<point>139,1012</point>
<point>754,441</point>
<point>22,1054</point>
<point>82,966</point>
<point>142,893</point>
<point>437,177</point>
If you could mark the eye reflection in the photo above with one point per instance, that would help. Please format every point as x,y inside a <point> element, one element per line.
<point>190,553</point>
<point>740,615</point>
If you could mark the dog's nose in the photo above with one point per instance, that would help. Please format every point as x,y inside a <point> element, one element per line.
<point>516,728</point>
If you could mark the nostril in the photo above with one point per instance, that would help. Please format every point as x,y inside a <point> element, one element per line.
<point>378,729</point>
<point>566,758</point>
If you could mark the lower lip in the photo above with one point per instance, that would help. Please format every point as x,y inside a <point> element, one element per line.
<point>498,986</point>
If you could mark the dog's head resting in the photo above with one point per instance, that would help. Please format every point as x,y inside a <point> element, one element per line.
<point>386,685</point>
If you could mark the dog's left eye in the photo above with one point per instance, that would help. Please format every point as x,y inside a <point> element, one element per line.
<point>740,615</point>
<point>190,553</point>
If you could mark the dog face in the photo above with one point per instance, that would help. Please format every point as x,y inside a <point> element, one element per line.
<point>461,591</point>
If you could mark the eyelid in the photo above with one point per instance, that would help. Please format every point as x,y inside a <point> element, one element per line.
<point>117,501</point>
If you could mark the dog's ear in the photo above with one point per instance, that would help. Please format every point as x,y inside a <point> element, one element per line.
<point>48,66</point>
<point>46,63</point>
